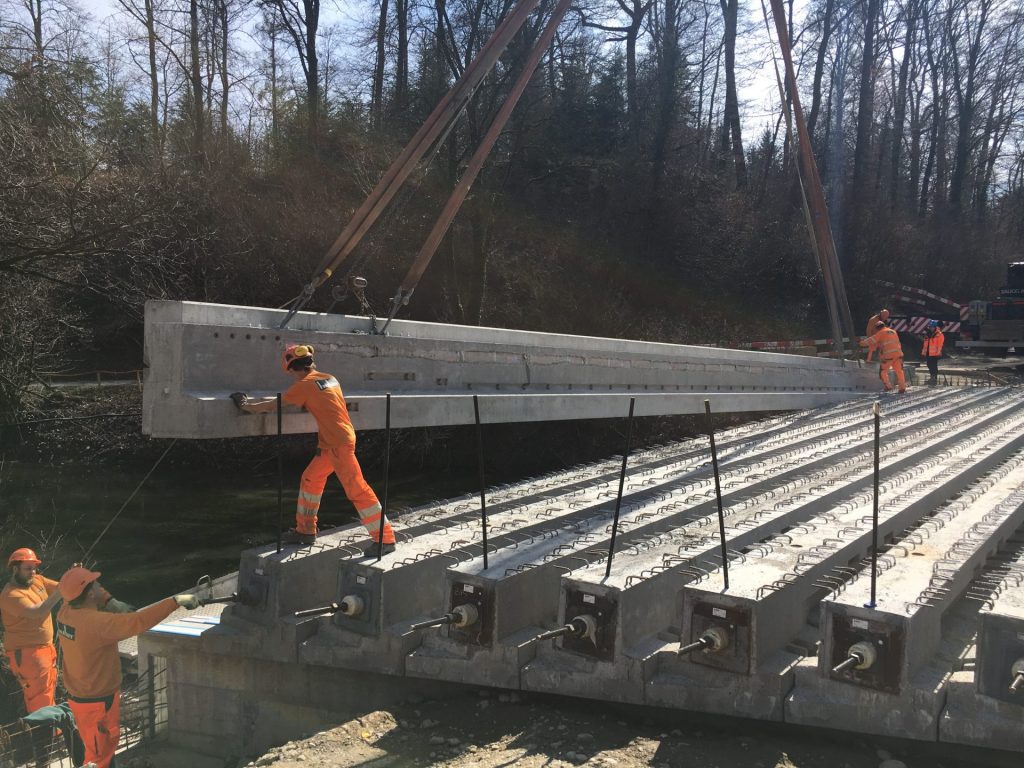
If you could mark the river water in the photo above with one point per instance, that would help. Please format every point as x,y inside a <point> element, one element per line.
<point>183,523</point>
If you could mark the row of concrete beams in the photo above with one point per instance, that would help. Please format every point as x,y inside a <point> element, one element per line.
<point>627,645</point>
<point>297,581</point>
<point>746,640</point>
<point>937,443</point>
<point>446,533</point>
<point>985,702</point>
<point>197,354</point>
<point>877,670</point>
<point>511,592</point>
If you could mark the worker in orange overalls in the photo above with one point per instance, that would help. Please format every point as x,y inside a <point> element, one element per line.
<point>883,317</point>
<point>932,350</point>
<point>90,660</point>
<point>890,355</point>
<point>321,395</point>
<point>25,605</point>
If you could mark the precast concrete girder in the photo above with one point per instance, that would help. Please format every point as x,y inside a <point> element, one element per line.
<point>444,539</point>
<point>197,354</point>
<point>796,495</point>
<point>882,657</point>
<point>514,595</point>
<point>635,636</point>
<point>749,628</point>
<point>985,705</point>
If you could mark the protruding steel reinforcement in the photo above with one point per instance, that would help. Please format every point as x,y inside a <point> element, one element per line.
<point>480,465</point>
<point>387,472</point>
<point>622,481</point>
<point>718,495</point>
<point>280,475</point>
<point>877,409</point>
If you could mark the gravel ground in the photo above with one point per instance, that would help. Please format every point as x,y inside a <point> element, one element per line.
<point>491,730</point>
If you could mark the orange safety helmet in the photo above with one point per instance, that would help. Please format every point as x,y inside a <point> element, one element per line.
<point>295,352</point>
<point>23,555</point>
<point>74,582</point>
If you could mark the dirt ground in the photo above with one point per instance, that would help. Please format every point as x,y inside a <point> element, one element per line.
<point>489,729</point>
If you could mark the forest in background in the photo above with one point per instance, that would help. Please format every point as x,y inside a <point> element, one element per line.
<point>211,150</point>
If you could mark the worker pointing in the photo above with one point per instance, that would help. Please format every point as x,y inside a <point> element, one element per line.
<point>91,663</point>
<point>890,355</point>
<point>321,395</point>
<point>25,605</point>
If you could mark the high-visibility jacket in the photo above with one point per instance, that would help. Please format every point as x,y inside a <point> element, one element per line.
<point>933,345</point>
<point>21,630</point>
<point>321,395</point>
<point>89,638</point>
<point>887,342</point>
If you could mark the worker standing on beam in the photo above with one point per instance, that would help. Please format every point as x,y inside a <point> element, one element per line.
<point>321,395</point>
<point>90,659</point>
<point>25,605</point>
<point>883,316</point>
<point>932,350</point>
<point>890,355</point>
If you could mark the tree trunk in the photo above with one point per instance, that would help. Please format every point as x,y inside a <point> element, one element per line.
<point>377,88</point>
<point>312,8</point>
<point>225,81</point>
<point>819,67</point>
<point>196,78</point>
<point>900,107</point>
<point>154,80</point>
<point>865,105</point>
<point>731,118</point>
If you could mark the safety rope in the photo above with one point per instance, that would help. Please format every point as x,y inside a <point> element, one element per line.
<point>128,500</point>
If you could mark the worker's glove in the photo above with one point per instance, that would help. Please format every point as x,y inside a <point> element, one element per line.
<point>114,605</point>
<point>239,398</point>
<point>187,601</point>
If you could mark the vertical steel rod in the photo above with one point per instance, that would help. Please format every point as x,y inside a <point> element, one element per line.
<point>874,514</point>
<point>280,477</point>
<point>622,482</point>
<point>718,493</point>
<point>480,463</point>
<point>387,472</point>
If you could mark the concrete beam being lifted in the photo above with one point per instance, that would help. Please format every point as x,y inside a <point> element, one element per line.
<point>197,354</point>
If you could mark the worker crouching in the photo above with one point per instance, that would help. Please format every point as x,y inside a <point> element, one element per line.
<point>321,395</point>
<point>90,660</point>
<point>890,355</point>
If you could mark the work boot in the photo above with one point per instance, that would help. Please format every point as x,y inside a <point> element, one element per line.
<point>292,536</point>
<point>371,549</point>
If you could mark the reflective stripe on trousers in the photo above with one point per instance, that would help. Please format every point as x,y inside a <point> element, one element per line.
<point>342,462</point>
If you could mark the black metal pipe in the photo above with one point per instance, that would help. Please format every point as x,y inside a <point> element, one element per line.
<point>697,646</point>
<point>332,608</point>
<point>852,660</point>
<point>280,476</point>
<point>718,494</point>
<point>448,618</point>
<point>387,472</point>
<point>480,464</point>
<point>877,409</point>
<point>622,482</point>
<point>577,628</point>
<point>1018,681</point>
